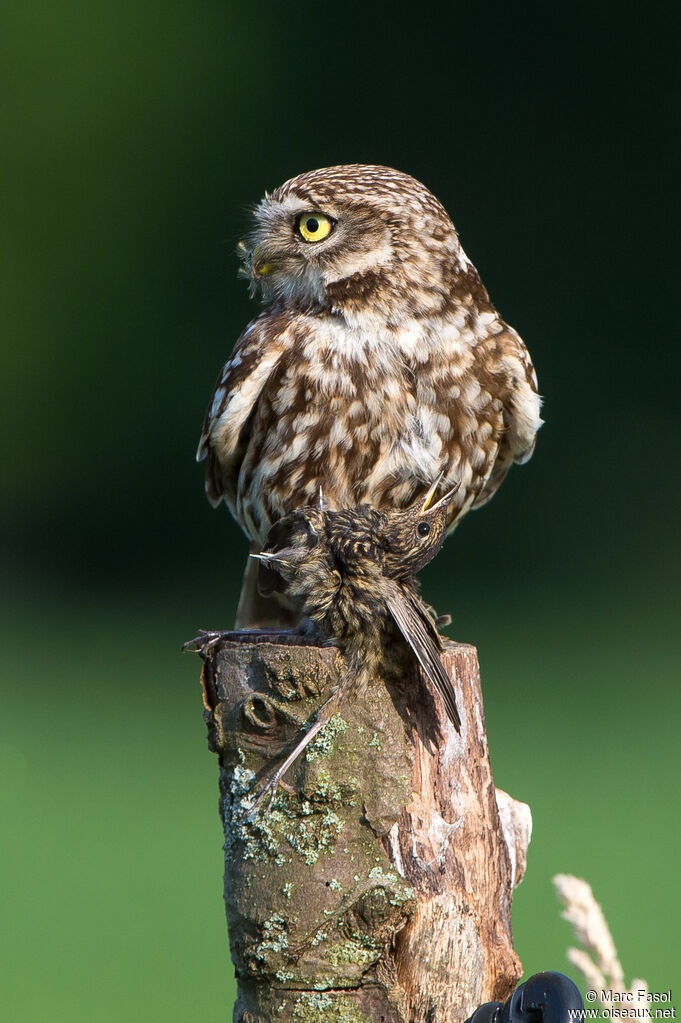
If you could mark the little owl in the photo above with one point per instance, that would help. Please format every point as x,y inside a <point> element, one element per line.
<point>377,364</point>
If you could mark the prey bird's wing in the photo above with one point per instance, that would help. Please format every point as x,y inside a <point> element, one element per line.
<point>420,632</point>
<point>289,541</point>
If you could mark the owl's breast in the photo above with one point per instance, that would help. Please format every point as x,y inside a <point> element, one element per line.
<point>356,417</point>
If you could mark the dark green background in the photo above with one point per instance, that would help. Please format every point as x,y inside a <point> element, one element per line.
<point>136,134</point>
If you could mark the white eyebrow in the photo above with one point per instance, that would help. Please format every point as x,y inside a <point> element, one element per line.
<point>291,204</point>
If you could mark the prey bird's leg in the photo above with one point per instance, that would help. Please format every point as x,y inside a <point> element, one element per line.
<point>324,715</point>
<point>205,640</point>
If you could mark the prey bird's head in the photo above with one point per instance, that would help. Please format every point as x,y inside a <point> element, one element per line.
<point>411,537</point>
<point>311,555</point>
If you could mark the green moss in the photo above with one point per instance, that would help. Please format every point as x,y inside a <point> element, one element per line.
<point>308,828</point>
<point>259,955</point>
<point>323,745</point>
<point>360,951</point>
<point>400,893</point>
<point>378,872</point>
<point>259,837</point>
<point>314,1006</point>
<point>258,843</point>
<point>316,835</point>
<point>312,1000</point>
<point>326,790</point>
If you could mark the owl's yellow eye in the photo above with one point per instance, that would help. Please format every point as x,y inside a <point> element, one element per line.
<point>314,227</point>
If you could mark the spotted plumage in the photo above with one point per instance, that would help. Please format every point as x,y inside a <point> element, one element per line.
<point>377,363</point>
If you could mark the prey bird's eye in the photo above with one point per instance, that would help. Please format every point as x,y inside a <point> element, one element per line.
<point>314,227</point>
<point>423,528</point>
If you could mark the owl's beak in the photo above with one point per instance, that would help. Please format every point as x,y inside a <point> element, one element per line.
<point>261,262</point>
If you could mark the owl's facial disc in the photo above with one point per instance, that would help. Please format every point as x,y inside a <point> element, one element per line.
<point>300,247</point>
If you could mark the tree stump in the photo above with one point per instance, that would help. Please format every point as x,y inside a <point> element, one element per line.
<point>378,884</point>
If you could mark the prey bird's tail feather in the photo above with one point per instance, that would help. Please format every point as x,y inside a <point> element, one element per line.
<point>420,632</point>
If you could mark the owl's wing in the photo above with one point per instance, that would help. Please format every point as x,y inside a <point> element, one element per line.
<point>226,426</point>
<point>516,381</point>
<point>418,628</point>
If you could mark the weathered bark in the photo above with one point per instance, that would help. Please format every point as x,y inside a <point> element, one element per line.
<point>377,887</point>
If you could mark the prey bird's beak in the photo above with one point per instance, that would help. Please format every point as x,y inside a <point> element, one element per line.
<point>273,559</point>
<point>429,496</point>
<point>447,497</point>
<point>443,500</point>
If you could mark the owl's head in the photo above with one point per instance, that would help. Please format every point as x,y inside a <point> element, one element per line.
<point>351,237</point>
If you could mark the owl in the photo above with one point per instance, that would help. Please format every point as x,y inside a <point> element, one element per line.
<point>377,364</point>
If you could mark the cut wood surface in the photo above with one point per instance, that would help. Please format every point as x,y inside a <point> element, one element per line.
<point>378,884</point>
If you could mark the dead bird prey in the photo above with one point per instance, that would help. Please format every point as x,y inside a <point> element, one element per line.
<point>351,573</point>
